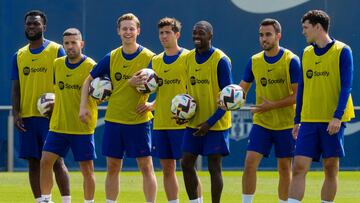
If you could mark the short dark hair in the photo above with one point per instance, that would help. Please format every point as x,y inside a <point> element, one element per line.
<point>273,22</point>
<point>317,16</point>
<point>36,13</point>
<point>72,31</point>
<point>128,16</point>
<point>205,24</point>
<point>175,24</point>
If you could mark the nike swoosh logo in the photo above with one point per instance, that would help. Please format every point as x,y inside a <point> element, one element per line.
<point>34,59</point>
<point>317,62</point>
<point>165,71</point>
<point>261,6</point>
<point>68,75</point>
<point>125,66</point>
<point>269,70</point>
<point>197,70</point>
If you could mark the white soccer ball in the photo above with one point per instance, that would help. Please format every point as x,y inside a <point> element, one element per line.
<point>232,97</point>
<point>151,83</point>
<point>100,89</point>
<point>43,102</point>
<point>183,106</point>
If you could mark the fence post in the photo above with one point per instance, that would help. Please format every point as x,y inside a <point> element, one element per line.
<point>10,137</point>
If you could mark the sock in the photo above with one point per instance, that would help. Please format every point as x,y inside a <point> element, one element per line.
<point>283,201</point>
<point>194,200</point>
<point>201,199</point>
<point>247,198</point>
<point>323,201</point>
<point>148,202</point>
<point>38,200</point>
<point>110,201</point>
<point>174,201</point>
<point>88,201</point>
<point>290,200</point>
<point>46,197</point>
<point>66,199</point>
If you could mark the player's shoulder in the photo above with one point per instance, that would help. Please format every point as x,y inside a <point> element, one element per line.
<point>60,60</point>
<point>258,55</point>
<point>147,52</point>
<point>90,61</point>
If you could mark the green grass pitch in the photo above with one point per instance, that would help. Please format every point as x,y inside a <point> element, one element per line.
<point>14,187</point>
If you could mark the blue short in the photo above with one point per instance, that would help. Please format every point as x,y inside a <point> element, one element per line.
<point>32,141</point>
<point>82,146</point>
<point>314,141</point>
<point>214,142</point>
<point>132,140</point>
<point>261,140</point>
<point>167,143</point>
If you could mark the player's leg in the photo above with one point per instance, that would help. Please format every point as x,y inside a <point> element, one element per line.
<point>192,147</point>
<point>137,141</point>
<point>333,149</point>
<point>215,146</point>
<point>112,186</point>
<point>214,167</point>
<point>83,148</point>
<point>170,182</point>
<point>46,173</point>
<point>145,165</point>
<point>259,145</point>
<point>329,188</point>
<point>307,150</point>
<point>191,179</point>
<point>284,152</point>
<point>113,149</point>
<point>87,170</point>
<point>31,146</point>
<point>56,146</point>
<point>284,169</point>
<point>60,170</point>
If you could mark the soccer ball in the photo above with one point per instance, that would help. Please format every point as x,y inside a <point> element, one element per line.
<point>232,97</point>
<point>183,106</point>
<point>151,83</point>
<point>100,88</point>
<point>43,102</point>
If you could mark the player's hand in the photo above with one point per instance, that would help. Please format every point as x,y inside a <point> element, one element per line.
<point>50,108</point>
<point>266,105</point>
<point>220,102</point>
<point>203,129</point>
<point>143,108</point>
<point>84,115</point>
<point>334,126</point>
<point>295,130</point>
<point>179,121</point>
<point>19,123</point>
<point>137,79</point>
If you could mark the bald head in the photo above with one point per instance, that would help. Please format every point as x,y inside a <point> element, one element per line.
<point>206,25</point>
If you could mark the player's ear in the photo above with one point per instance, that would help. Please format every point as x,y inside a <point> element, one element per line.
<point>138,31</point>
<point>278,35</point>
<point>44,27</point>
<point>177,35</point>
<point>82,44</point>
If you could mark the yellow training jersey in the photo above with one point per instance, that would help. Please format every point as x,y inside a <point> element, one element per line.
<point>322,85</point>
<point>35,76</point>
<point>65,116</point>
<point>273,83</point>
<point>203,87</point>
<point>124,98</point>
<point>172,81</point>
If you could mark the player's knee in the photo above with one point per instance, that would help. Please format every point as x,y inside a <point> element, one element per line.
<point>214,169</point>
<point>187,165</point>
<point>168,170</point>
<point>250,164</point>
<point>298,170</point>
<point>331,171</point>
<point>113,168</point>
<point>147,169</point>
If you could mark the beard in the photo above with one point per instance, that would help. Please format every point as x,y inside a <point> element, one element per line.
<point>37,36</point>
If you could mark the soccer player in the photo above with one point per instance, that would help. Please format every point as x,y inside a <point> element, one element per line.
<point>275,71</point>
<point>323,105</point>
<point>32,75</point>
<point>207,133</point>
<point>126,131</point>
<point>167,135</point>
<point>66,129</point>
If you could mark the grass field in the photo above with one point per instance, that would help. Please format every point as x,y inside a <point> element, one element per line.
<point>14,188</point>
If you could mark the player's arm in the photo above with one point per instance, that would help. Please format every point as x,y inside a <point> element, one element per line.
<point>346,78</point>
<point>15,95</point>
<point>268,105</point>
<point>224,79</point>
<point>100,69</point>
<point>299,102</point>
